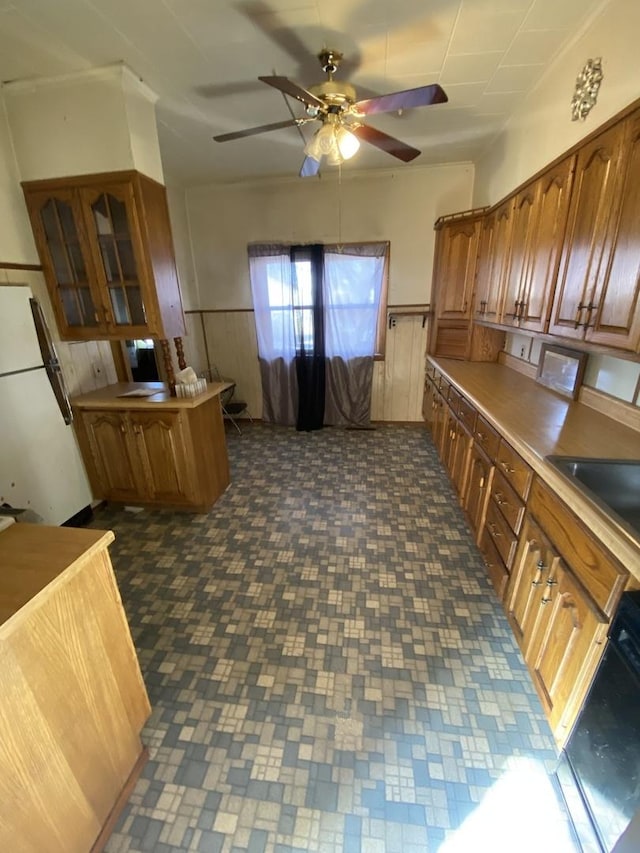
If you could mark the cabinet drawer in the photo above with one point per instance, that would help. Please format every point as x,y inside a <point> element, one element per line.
<point>514,469</point>
<point>595,567</point>
<point>486,436</point>
<point>499,531</point>
<point>498,574</point>
<point>454,398</point>
<point>510,504</point>
<point>467,414</point>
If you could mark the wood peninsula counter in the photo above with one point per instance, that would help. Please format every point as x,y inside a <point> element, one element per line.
<point>72,699</point>
<point>154,450</point>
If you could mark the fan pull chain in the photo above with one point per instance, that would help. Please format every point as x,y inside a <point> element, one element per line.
<point>340,208</point>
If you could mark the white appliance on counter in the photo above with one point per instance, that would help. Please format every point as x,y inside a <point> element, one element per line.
<point>41,468</point>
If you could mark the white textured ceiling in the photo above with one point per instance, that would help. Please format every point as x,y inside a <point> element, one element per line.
<point>203,57</point>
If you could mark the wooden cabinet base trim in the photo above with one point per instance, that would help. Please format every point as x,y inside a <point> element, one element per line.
<point>123,797</point>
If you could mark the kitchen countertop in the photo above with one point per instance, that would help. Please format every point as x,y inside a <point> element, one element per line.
<point>110,397</point>
<point>539,423</point>
<point>33,556</point>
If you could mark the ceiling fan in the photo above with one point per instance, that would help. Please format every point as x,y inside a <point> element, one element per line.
<point>334,105</point>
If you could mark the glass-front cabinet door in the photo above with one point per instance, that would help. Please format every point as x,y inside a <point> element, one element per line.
<point>105,247</point>
<point>57,219</point>
<point>116,242</point>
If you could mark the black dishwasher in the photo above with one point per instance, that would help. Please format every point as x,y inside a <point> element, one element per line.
<point>599,770</point>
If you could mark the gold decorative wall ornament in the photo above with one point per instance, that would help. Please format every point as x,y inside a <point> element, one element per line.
<point>586,91</point>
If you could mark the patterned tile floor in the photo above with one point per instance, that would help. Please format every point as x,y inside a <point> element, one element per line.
<point>328,667</point>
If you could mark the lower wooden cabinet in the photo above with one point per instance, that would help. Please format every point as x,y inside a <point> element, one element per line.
<point>557,621</point>
<point>139,455</point>
<point>159,457</point>
<point>479,477</point>
<point>112,458</point>
<point>559,584</point>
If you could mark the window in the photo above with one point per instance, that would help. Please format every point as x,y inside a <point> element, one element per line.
<point>353,302</point>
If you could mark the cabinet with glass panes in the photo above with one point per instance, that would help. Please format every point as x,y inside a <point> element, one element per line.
<point>106,249</point>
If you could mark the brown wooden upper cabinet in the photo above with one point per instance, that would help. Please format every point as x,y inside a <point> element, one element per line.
<point>455,266</point>
<point>493,262</point>
<point>597,295</point>
<point>105,245</point>
<point>539,222</point>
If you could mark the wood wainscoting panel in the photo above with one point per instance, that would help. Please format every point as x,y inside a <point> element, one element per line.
<point>398,382</point>
<point>233,349</point>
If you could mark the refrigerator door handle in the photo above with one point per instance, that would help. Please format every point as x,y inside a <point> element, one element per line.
<point>50,361</point>
<point>56,379</point>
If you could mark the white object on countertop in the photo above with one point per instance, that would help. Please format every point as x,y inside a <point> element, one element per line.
<point>191,389</point>
<point>187,376</point>
<point>6,521</point>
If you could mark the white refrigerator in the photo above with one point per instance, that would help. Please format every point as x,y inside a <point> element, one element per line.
<point>41,468</point>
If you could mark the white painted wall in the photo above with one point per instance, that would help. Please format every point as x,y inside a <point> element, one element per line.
<point>100,120</point>
<point>16,240</point>
<point>541,128</point>
<point>400,206</point>
<point>176,199</point>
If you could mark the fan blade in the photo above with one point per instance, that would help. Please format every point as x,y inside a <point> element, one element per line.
<point>264,128</point>
<point>310,168</point>
<point>283,84</point>
<point>269,22</point>
<point>385,142</point>
<point>423,96</point>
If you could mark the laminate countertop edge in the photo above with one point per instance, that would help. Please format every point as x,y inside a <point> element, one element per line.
<point>116,396</point>
<point>537,423</point>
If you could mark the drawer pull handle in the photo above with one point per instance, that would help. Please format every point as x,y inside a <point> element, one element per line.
<point>481,436</point>
<point>545,599</point>
<point>540,568</point>
<point>508,468</point>
<point>493,529</point>
<point>500,499</point>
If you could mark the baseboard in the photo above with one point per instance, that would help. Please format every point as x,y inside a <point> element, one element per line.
<point>120,803</point>
<point>80,519</point>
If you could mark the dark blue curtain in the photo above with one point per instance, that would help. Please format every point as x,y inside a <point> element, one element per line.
<point>311,367</point>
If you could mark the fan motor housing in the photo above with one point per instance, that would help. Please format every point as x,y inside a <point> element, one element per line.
<point>334,94</point>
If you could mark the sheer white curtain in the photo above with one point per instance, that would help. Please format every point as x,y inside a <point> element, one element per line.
<point>354,279</point>
<point>272,288</point>
<point>319,304</point>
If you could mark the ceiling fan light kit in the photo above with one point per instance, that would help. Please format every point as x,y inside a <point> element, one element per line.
<point>333,141</point>
<point>334,104</point>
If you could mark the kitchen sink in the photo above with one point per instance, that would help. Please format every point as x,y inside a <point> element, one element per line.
<point>614,484</point>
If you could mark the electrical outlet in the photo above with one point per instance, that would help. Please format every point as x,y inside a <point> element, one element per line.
<point>521,352</point>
